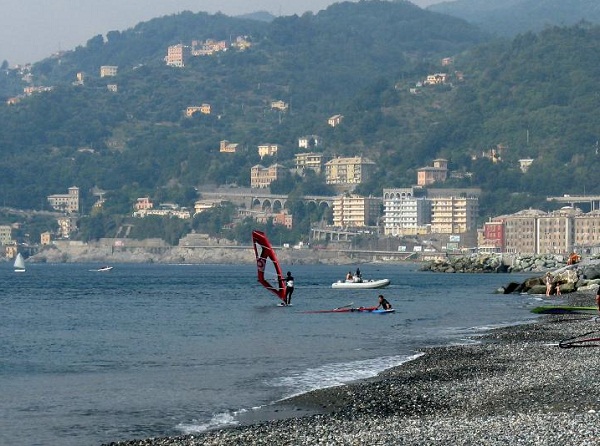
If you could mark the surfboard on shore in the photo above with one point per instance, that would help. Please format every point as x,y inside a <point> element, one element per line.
<point>564,309</point>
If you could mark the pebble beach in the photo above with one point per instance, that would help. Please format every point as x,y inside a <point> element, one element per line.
<point>511,386</point>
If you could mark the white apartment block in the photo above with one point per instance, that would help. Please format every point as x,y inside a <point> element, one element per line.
<point>355,211</point>
<point>405,214</point>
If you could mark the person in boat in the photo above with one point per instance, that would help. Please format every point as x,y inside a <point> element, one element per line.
<point>383,303</point>
<point>357,276</point>
<point>349,276</point>
<point>289,288</point>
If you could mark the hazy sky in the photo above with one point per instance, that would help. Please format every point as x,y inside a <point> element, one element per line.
<point>31,30</point>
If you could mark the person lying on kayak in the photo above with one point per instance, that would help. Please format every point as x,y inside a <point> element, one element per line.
<point>383,303</point>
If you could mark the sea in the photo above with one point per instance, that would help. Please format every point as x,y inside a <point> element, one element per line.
<point>148,350</point>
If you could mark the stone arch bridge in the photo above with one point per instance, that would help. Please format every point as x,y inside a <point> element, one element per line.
<point>257,199</point>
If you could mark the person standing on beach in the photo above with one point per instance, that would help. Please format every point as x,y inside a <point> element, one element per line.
<point>289,288</point>
<point>548,281</point>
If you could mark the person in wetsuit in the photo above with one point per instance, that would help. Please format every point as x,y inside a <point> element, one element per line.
<point>383,303</point>
<point>289,288</point>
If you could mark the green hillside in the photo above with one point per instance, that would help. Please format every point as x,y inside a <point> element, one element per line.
<point>532,97</point>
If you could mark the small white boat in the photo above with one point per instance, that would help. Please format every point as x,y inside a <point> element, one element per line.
<point>362,284</point>
<point>103,269</point>
<point>19,264</point>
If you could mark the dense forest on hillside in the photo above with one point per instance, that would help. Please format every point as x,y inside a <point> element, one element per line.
<point>532,97</point>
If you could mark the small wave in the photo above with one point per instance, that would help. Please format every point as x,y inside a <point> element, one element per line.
<point>333,375</point>
<point>224,419</point>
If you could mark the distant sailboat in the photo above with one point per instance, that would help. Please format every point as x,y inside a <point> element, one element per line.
<point>19,264</point>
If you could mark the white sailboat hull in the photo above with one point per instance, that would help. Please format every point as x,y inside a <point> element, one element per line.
<point>366,284</point>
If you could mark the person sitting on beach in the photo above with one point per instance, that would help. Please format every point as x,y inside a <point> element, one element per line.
<point>383,303</point>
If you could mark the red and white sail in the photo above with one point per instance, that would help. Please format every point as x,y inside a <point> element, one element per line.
<point>267,265</point>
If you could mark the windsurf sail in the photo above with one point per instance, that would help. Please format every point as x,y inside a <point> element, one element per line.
<point>589,339</point>
<point>267,265</point>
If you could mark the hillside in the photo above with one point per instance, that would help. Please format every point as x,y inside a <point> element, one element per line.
<point>530,97</point>
<point>511,17</point>
<point>138,140</point>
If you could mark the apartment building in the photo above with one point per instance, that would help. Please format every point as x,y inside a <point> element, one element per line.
<point>354,211</point>
<point>405,212</point>
<point>261,177</point>
<point>311,160</point>
<point>143,203</point>
<point>66,226</point>
<point>587,230</point>
<point>453,214</point>
<point>68,202</point>
<point>346,171</point>
<point>520,231</point>
<point>176,56</point>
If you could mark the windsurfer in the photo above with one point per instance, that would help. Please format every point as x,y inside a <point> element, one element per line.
<point>289,288</point>
<point>383,303</point>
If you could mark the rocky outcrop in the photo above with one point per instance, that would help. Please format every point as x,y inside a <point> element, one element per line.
<point>467,264</point>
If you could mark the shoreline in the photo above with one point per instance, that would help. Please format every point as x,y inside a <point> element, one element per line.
<point>515,386</point>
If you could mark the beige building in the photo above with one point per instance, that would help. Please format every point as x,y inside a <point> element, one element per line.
<point>261,177</point>
<point>454,214</point>
<point>175,56</point>
<point>66,202</point>
<point>267,150</point>
<point>436,174</point>
<point>520,231</point>
<point>108,70</point>
<point>208,47</point>
<point>204,205</point>
<point>5,235</point>
<point>354,211</point>
<point>228,147</point>
<point>353,170</point>
<point>313,161</point>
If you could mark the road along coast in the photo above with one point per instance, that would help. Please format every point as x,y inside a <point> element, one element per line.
<point>514,386</point>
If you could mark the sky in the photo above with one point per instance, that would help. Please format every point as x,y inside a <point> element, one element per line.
<point>31,30</point>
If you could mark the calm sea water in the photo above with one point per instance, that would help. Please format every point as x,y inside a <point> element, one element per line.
<point>154,350</point>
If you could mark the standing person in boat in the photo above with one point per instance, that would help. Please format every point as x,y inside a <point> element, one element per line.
<point>289,288</point>
<point>357,275</point>
<point>383,303</point>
